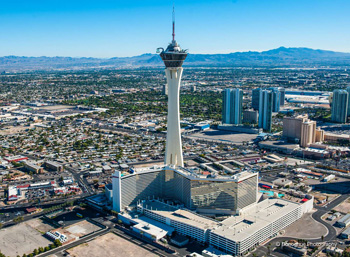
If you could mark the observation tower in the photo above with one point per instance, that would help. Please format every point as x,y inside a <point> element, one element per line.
<point>173,57</point>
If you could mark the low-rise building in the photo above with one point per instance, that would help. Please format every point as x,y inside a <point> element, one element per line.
<point>345,234</point>
<point>344,221</point>
<point>279,146</point>
<point>235,235</point>
<point>15,158</point>
<point>33,167</point>
<point>50,165</point>
<point>282,182</point>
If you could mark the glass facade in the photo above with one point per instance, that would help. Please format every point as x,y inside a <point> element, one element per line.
<point>213,195</point>
<point>247,192</point>
<point>193,193</point>
<point>141,186</point>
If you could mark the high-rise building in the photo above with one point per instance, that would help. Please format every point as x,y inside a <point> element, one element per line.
<point>229,194</point>
<point>165,89</point>
<point>232,106</point>
<point>265,109</point>
<point>319,135</point>
<point>276,99</point>
<point>255,98</point>
<point>226,106</point>
<point>250,116</point>
<point>301,128</point>
<point>308,133</point>
<point>292,126</point>
<point>173,57</point>
<point>348,90</point>
<point>282,95</point>
<point>340,105</point>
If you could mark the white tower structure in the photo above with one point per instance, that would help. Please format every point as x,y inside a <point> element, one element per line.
<point>173,58</point>
<point>116,185</point>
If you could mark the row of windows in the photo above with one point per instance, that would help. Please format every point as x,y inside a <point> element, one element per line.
<point>258,237</point>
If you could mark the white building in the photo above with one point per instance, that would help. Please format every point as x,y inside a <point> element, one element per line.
<point>235,235</point>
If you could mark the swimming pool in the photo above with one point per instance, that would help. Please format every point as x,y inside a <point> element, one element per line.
<point>270,193</point>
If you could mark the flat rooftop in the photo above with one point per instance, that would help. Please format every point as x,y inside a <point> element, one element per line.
<point>237,177</point>
<point>141,219</point>
<point>280,144</point>
<point>180,215</point>
<point>238,228</point>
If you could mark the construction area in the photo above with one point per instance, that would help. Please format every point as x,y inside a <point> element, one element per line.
<point>109,245</point>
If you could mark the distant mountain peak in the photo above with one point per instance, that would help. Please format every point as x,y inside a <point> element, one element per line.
<point>281,56</point>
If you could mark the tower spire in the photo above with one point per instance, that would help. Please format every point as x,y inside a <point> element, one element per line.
<point>173,22</point>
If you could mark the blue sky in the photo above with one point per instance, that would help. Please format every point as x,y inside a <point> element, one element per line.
<point>105,28</point>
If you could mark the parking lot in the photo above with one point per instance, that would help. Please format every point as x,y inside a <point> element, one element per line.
<point>20,239</point>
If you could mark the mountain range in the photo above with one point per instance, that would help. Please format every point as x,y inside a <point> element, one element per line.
<point>280,57</point>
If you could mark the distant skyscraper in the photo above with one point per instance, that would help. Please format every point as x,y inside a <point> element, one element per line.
<point>232,106</point>
<point>173,57</point>
<point>282,95</point>
<point>308,133</point>
<point>276,99</point>
<point>255,98</point>
<point>165,89</point>
<point>348,90</point>
<point>226,106</point>
<point>340,105</point>
<point>265,109</point>
<point>301,128</point>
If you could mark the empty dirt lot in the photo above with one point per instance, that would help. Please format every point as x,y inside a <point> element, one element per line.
<point>109,245</point>
<point>22,238</point>
<point>306,228</point>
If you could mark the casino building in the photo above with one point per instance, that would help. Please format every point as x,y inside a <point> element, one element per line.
<point>215,195</point>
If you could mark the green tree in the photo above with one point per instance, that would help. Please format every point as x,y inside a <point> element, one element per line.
<point>36,251</point>
<point>57,243</point>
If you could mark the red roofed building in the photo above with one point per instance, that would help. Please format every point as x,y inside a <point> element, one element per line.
<point>15,158</point>
<point>31,210</point>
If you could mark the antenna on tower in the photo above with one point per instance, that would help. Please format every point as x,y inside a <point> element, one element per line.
<point>173,22</point>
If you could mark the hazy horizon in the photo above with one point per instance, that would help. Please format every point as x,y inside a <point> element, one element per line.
<point>60,56</point>
<point>106,28</point>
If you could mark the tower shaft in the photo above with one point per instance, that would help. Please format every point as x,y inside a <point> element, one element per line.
<point>173,150</point>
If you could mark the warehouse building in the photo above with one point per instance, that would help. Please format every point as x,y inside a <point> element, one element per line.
<point>345,234</point>
<point>344,221</point>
